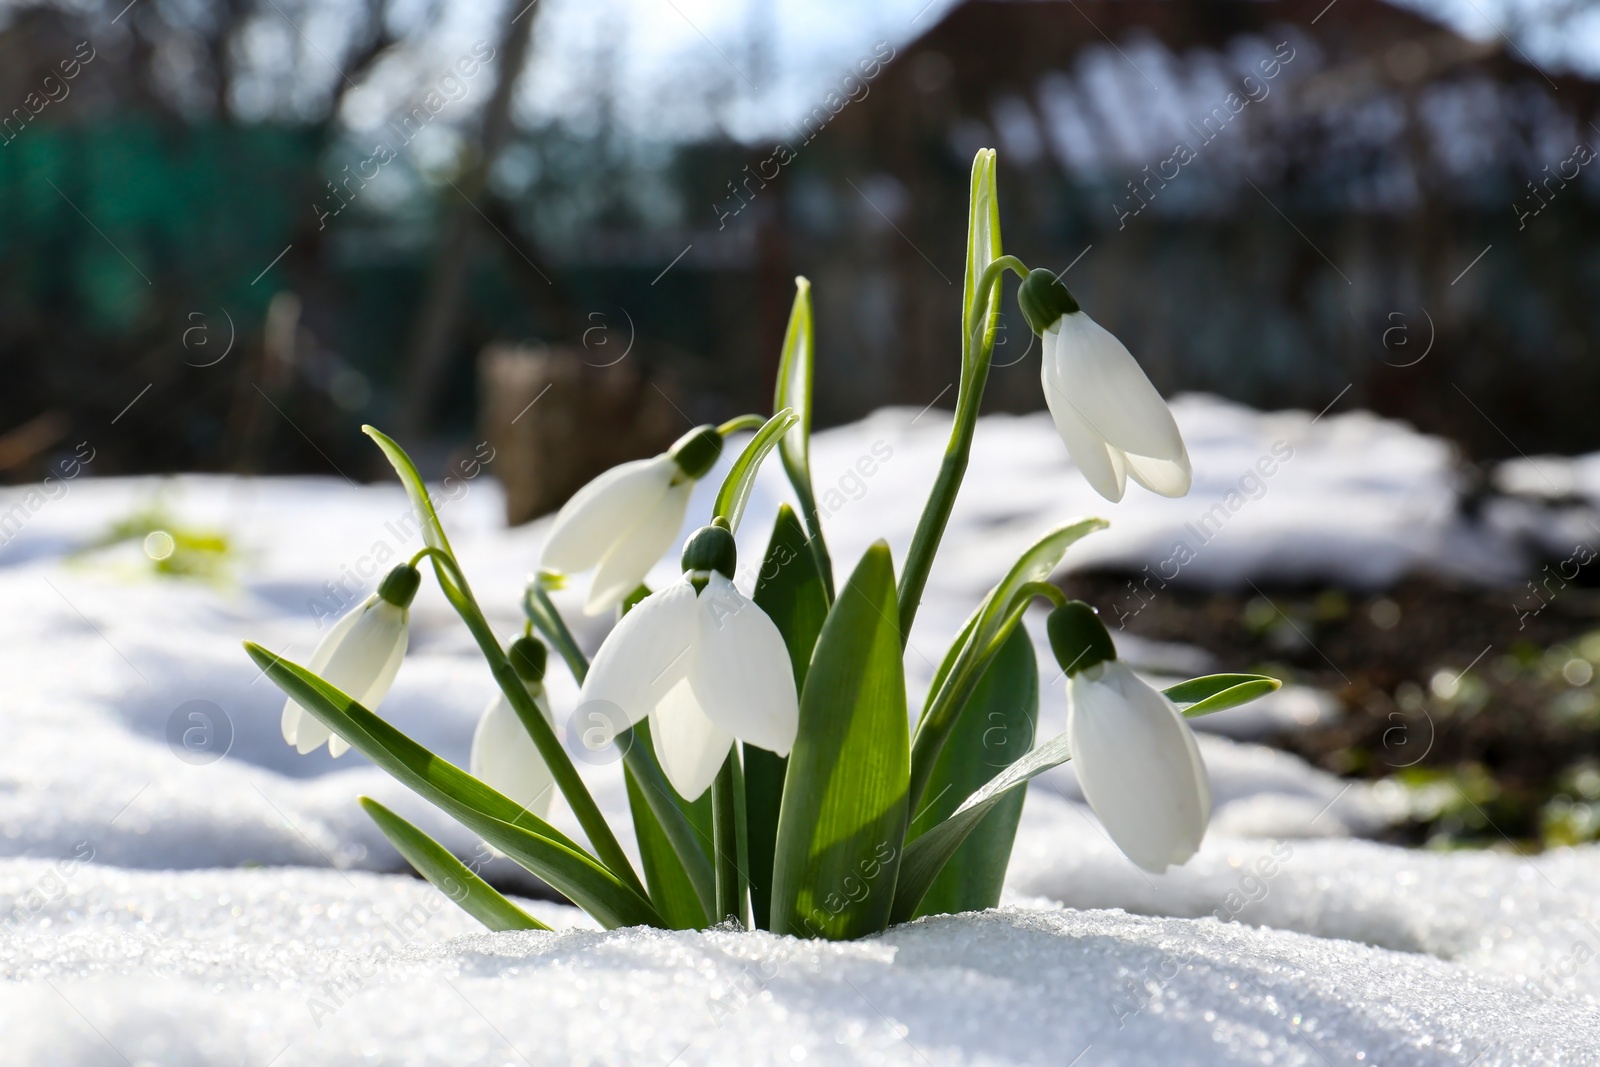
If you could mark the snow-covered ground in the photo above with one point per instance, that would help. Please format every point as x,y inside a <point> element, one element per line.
<point>210,897</point>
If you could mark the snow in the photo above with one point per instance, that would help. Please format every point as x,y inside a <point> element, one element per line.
<point>185,899</point>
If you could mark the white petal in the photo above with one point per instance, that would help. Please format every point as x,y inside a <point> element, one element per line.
<point>742,674</point>
<point>1169,477</point>
<point>1101,465</point>
<point>647,653</point>
<point>1139,766</point>
<point>505,757</point>
<point>690,746</point>
<point>630,559</point>
<point>364,665</point>
<point>1111,391</point>
<point>602,511</point>
<point>296,721</point>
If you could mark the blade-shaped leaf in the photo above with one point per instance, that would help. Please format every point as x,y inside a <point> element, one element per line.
<point>449,875</point>
<point>502,822</point>
<point>926,856</point>
<point>979,642</point>
<point>795,368</point>
<point>842,825</point>
<point>995,731</point>
<point>1215,692</point>
<point>735,491</point>
<point>789,589</point>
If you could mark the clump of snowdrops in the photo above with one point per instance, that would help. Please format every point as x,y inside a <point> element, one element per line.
<point>773,775</point>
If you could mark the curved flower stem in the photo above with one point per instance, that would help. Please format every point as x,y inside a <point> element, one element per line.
<point>977,351</point>
<point>742,424</point>
<point>639,760</point>
<point>544,737</point>
<point>542,613</point>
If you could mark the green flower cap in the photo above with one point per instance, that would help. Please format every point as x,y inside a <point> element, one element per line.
<point>1044,300</point>
<point>1078,638</point>
<point>528,657</point>
<point>399,586</point>
<point>710,548</point>
<point>696,451</point>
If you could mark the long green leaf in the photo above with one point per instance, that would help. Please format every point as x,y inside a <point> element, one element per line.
<point>735,491</point>
<point>789,589</point>
<point>995,731</point>
<point>449,875</point>
<point>673,889</point>
<point>505,824</point>
<point>796,366</point>
<point>842,827</point>
<point>926,856</point>
<point>979,641</point>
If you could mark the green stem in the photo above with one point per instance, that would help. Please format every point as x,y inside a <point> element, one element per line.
<point>946,705</point>
<point>555,756</point>
<point>725,829</point>
<point>639,760</point>
<point>541,611</point>
<point>977,351</point>
<point>819,547</point>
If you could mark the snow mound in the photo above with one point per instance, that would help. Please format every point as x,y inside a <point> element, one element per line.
<point>300,967</point>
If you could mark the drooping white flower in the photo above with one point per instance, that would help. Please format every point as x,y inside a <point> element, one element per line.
<point>1112,420</point>
<point>704,663</point>
<point>360,656</point>
<point>624,520</point>
<point>1134,753</point>
<point>503,755</point>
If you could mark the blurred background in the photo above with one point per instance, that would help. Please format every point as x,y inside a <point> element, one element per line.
<point>234,231</point>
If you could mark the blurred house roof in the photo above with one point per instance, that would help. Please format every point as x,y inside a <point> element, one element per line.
<point>1326,91</point>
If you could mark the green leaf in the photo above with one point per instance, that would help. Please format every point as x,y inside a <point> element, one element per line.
<point>1214,692</point>
<point>979,641</point>
<point>983,244</point>
<point>843,820</point>
<point>926,856</point>
<point>505,824</point>
<point>672,888</point>
<point>789,589</point>
<point>735,491</point>
<point>995,731</point>
<point>796,366</point>
<point>449,875</point>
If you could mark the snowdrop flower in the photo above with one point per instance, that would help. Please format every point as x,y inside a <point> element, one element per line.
<point>704,663</point>
<point>503,755</point>
<point>1135,755</point>
<point>360,657</point>
<point>624,520</point>
<point>1112,420</point>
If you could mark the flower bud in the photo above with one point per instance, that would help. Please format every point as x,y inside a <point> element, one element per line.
<point>528,657</point>
<point>1078,638</point>
<point>399,586</point>
<point>696,451</point>
<point>710,548</point>
<point>1044,300</point>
